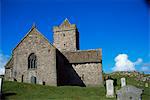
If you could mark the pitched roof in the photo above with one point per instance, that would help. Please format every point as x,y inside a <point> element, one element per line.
<point>84,56</point>
<point>32,28</point>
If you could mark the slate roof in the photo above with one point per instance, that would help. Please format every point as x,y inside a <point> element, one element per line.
<point>84,56</point>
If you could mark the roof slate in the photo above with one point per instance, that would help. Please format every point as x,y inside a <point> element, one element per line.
<point>84,56</point>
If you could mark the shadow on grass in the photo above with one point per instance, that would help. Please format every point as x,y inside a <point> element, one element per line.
<point>4,96</point>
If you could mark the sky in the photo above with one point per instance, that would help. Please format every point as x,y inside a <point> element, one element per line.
<point>119,27</point>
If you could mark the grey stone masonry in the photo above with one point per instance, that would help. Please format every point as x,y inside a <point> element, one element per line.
<point>66,37</point>
<point>129,92</point>
<point>34,42</point>
<point>35,60</point>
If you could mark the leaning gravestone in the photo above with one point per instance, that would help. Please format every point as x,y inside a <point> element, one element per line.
<point>129,92</point>
<point>123,82</point>
<point>109,88</point>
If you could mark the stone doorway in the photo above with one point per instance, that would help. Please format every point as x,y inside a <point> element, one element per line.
<point>33,80</point>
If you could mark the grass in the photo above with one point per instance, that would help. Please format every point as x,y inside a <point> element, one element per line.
<point>132,81</point>
<point>25,91</point>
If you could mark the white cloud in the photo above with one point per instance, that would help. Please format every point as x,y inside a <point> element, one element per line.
<point>122,63</point>
<point>139,61</point>
<point>3,61</point>
<point>146,68</point>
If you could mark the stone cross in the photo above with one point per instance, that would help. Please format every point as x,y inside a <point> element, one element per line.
<point>109,88</point>
<point>123,82</point>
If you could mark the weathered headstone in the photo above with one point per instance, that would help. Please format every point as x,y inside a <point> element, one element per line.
<point>146,84</point>
<point>109,88</point>
<point>0,86</point>
<point>129,92</point>
<point>123,82</point>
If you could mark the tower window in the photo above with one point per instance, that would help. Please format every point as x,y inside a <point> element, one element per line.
<point>32,61</point>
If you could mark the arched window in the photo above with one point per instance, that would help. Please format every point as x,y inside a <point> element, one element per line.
<point>32,61</point>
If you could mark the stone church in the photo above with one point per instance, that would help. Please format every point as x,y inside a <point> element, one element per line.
<point>36,60</point>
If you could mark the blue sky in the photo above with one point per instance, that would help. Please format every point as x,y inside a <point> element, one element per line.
<point>116,26</point>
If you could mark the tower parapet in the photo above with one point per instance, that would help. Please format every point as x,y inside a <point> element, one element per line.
<point>66,36</point>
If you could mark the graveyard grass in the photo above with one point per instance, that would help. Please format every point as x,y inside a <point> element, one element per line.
<point>25,91</point>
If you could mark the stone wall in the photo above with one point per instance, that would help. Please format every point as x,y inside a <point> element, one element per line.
<point>66,37</point>
<point>87,64</point>
<point>66,74</point>
<point>64,64</point>
<point>61,65</point>
<point>9,70</point>
<point>35,43</point>
<point>90,73</point>
<point>8,74</point>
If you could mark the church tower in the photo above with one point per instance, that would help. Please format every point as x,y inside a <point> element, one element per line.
<point>66,36</point>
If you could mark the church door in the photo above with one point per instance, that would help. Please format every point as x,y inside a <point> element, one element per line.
<point>33,80</point>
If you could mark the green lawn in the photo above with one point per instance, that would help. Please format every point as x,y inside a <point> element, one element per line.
<point>24,91</point>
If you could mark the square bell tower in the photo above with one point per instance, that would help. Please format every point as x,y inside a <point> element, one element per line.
<point>66,36</point>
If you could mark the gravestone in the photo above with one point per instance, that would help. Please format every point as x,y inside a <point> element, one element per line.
<point>123,82</point>
<point>1,79</point>
<point>129,92</point>
<point>109,88</point>
<point>146,84</point>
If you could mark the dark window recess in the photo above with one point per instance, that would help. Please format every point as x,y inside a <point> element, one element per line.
<point>130,98</point>
<point>43,83</point>
<point>15,80</point>
<point>49,50</point>
<point>22,78</point>
<point>32,61</point>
